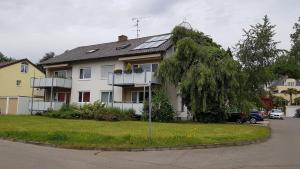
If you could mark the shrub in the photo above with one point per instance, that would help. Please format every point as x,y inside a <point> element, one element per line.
<point>96,111</point>
<point>162,110</point>
<point>65,112</point>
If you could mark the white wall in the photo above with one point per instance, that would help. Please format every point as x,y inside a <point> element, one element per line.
<point>291,110</point>
<point>95,84</point>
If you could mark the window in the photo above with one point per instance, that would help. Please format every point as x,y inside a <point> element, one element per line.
<point>84,97</point>
<point>106,97</point>
<point>92,51</point>
<point>291,83</point>
<point>147,67</point>
<point>138,97</point>
<point>18,82</point>
<point>85,73</point>
<point>134,96</point>
<point>154,67</point>
<point>24,67</point>
<point>60,73</point>
<point>105,70</point>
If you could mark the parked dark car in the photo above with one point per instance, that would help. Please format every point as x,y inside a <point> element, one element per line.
<point>255,116</point>
<point>237,117</point>
<point>297,114</point>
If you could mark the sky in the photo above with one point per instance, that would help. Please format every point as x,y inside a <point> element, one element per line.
<point>30,28</point>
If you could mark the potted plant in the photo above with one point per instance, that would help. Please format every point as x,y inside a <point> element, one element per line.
<point>128,69</point>
<point>118,71</point>
<point>138,70</point>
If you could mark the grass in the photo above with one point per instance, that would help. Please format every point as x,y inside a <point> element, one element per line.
<point>124,134</point>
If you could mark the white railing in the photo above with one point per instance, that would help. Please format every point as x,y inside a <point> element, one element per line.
<point>137,107</point>
<point>51,81</point>
<point>44,106</point>
<point>132,78</point>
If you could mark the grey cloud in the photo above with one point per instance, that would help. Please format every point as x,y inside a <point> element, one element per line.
<point>29,28</point>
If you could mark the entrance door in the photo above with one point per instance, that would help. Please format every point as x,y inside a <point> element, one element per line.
<point>61,97</point>
<point>68,98</point>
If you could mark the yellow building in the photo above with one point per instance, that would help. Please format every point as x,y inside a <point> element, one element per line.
<point>15,88</point>
<point>280,87</point>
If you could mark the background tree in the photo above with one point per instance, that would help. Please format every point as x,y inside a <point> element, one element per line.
<point>290,92</point>
<point>204,73</point>
<point>295,38</point>
<point>257,52</point>
<point>287,66</point>
<point>4,58</point>
<point>279,101</point>
<point>47,56</point>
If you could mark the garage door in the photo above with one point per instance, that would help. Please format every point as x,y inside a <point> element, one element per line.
<point>2,105</point>
<point>13,103</point>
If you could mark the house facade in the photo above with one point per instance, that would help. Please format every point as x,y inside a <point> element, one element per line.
<point>15,89</point>
<point>280,87</point>
<point>117,73</point>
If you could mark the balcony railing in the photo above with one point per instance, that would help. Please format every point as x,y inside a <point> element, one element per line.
<point>44,106</point>
<point>51,81</point>
<point>124,79</point>
<point>138,107</point>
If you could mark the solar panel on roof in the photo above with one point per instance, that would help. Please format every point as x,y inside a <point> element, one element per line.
<point>153,42</point>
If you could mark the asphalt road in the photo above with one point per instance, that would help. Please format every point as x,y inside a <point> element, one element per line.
<point>282,151</point>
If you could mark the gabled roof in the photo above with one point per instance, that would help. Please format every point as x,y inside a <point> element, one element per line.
<point>108,50</point>
<point>5,64</point>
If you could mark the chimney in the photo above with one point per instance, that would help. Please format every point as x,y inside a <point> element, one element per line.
<point>122,38</point>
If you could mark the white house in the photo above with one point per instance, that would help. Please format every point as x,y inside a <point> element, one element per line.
<point>90,73</point>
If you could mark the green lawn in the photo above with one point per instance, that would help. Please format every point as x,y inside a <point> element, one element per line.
<point>124,134</point>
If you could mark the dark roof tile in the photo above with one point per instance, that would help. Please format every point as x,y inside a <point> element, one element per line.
<point>106,50</point>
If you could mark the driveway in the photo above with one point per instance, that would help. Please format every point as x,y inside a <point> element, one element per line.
<point>282,151</point>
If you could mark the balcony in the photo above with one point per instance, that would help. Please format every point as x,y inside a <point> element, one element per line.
<point>138,107</point>
<point>39,105</point>
<point>125,79</point>
<point>51,81</point>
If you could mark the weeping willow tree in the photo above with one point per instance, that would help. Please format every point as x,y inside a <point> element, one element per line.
<point>206,75</point>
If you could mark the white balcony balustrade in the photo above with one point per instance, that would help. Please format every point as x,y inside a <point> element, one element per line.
<point>137,107</point>
<point>124,79</point>
<point>51,81</point>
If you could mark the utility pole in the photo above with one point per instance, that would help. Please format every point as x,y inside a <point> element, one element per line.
<point>33,81</point>
<point>150,112</point>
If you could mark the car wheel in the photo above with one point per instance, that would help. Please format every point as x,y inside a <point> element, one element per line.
<point>252,120</point>
<point>239,121</point>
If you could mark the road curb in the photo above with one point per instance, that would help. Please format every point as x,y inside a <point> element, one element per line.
<point>182,147</point>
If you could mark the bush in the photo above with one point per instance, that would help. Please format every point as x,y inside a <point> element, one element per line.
<point>96,111</point>
<point>162,110</point>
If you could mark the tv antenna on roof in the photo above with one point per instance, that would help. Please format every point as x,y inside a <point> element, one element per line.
<point>137,25</point>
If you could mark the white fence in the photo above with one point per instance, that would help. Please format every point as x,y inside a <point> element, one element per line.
<point>44,106</point>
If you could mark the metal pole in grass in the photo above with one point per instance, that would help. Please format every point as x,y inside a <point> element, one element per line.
<point>150,112</point>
